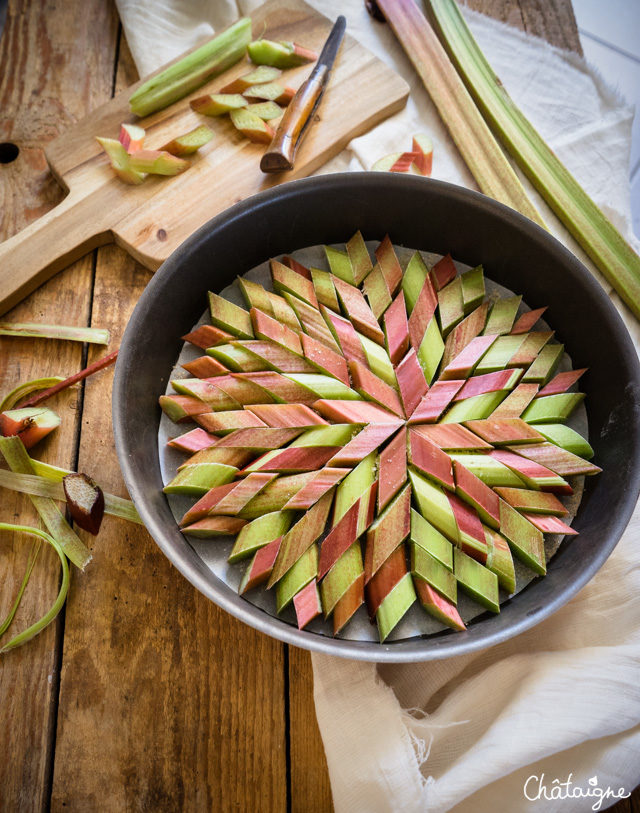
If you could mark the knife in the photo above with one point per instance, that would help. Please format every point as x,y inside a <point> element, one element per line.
<point>281,153</point>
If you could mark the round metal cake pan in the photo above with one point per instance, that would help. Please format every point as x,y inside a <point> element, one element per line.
<point>422,214</point>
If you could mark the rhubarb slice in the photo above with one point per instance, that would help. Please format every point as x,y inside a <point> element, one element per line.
<point>562,382</point>
<point>476,580</point>
<point>499,355</point>
<point>325,359</point>
<point>345,335</point>
<point>205,336</point>
<point>276,495</point>
<point>439,607</point>
<point>552,408</point>
<point>500,561</point>
<point>270,92</point>
<point>365,442</point>
<point>316,488</point>
<point>214,527</point>
<point>218,104</point>
<point>435,401</point>
<point>423,146</point>
<point>285,279</point>
<point>516,402</point>
<point>387,532</point>
<point>392,468</point>
<point>427,568</point>
<point>190,142</point>
<point>545,364</point>
<point>430,459</point>
<point>566,438</point>
<point>261,532</point>
<point>394,606</point>
<point>502,316</point>
<point>30,424</point>
<point>259,76</point>
<point>396,329</point>
<point>472,288</point>
<point>505,431</point>
<point>426,536</point>
<point>260,567</point>
<point>283,416</point>
<point>411,382</point>
<point>225,422</point>
<point>205,367</point>
<point>279,54</point>
<point>471,489</point>
<point>463,364</point>
<point>265,110</point>
<point>532,502</point>
<point>298,577</point>
<point>197,479</point>
<point>374,389</point>
<point>450,305</point>
<point>559,460</point>
<point>193,441</point>
<point>527,321</point>
<point>324,288</point>
<point>490,382</point>
<point>227,316</point>
<point>550,525</point>
<point>307,604</point>
<point>269,329</point>
<point>534,474</point>
<point>182,407</point>
<point>251,126</point>
<point>525,540</point>
<point>454,436</point>
<point>354,304</point>
<point>157,162</point>
<point>359,258</point>
<point>476,408</point>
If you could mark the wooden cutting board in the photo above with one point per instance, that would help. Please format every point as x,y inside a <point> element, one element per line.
<point>151,220</point>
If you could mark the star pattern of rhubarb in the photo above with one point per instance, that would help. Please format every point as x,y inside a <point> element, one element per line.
<point>376,434</point>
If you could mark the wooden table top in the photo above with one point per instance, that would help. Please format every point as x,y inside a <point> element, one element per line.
<point>143,695</point>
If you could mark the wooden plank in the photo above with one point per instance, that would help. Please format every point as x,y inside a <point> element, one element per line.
<point>45,47</point>
<point>166,701</point>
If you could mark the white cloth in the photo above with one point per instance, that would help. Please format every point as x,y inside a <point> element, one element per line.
<point>563,698</point>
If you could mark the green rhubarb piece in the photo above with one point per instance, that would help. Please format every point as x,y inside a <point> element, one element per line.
<point>492,472</point>
<point>375,287</point>
<point>190,142</point>
<point>324,386</point>
<point>359,257</point>
<point>193,70</point>
<point>355,485</point>
<point>476,580</point>
<point>566,438</point>
<point>395,605</point>
<point>428,568</point>
<point>338,434</point>
<point>255,295</point>
<point>340,264</point>
<point>260,532</point>
<point>502,316</point>
<point>431,350</point>
<point>340,577</point>
<point>430,539</point>
<point>379,361</point>
<point>265,110</point>
<point>472,288</point>
<point>500,561</point>
<point>198,478</point>
<point>279,54</point>
<point>413,279</point>
<point>434,505</point>
<point>297,577</point>
<point>276,494</point>
<point>552,408</point>
<point>500,353</point>
<point>230,317</point>
<point>450,305</point>
<point>121,161</point>
<point>525,540</point>
<point>325,289</point>
<point>236,357</point>
<point>545,364</point>
<point>475,408</point>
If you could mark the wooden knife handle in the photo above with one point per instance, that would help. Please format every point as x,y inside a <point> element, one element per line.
<point>281,153</point>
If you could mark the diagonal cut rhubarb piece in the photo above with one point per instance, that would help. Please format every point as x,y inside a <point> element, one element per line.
<point>434,506</point>
<point>527,321</point>
<point>559,460</point>
<point>476,580</point>
<point>528,351</point>
<point>347,604</point>
<point>443,272</point>
<point>215,526</point>
<point>296,266</point>
<point>439,607</point>
<point>278,387</point>
<point>224,422</point>
<point>283,416</point>
<point>365,442</point>
<point>283,312</point>
<point>356,308</point>
<point>525,540</point>
<point>214,454</point>
<point>265,110</point>
<point>196,479</point>
<point>430,539</point>
<point>275,357</point>
<point>259,439</point>
<point>243,390</point>
<point>325,359</point>
<point>260,567</point>
<point>316,488</point>
<point>377,291</point>
<point>190,142</point>
<point>453,437</point>
<point>503,431</point>
<point>475,408</point>
<point>411,382</point>
<point>389,265</point>
<point>251,126</point>
<point>339,539</point>
<point>285,279</point>
<point>359,485</point>
<point>423,146</point>
<point>462,334</point>
<point>255,295</point>
<point>307,604</point>
<point>354,412</point>
<point>396,329</point>
<point>422,313</point>
<point>358,255</point>
<point>450,305</point>
<point>471,538</point>
<point>532,502</point>
<point>387,532</point>
<point>296,578</point>
<point>227,499</point>
<point>491,471</point>
<point>516,402</point>
<point>471,489</point>
<point>499,355</point>
<point>545,364</point>
<point>276,495</point>
<point>324,288</point>
<point>387,577</point>
<point>340,265</point>
<point>566,438</point>
<point>489,382</point>
<point>345,335</point>
<point>193,441</point>
<point>269,329</point>
<point>293,459</point>
<point>324,386</point>
<point>235,357</point>
<point>345,572</point>
<point>217,104</point>
<point>561,382</point>
<point>462,365</point>
<point>534,474</point>
<point>205,336</point>
<point>424,567</point>
<point>395,606</point>
<point>435,401</point>
<point>552,408</point>
<point>502,316</point>
<point>549,524</point>
<point>208,392</point>
<point>373,388</point>
<point>430,459</point>
<point>378,361</point>
<point>472,288</point>
<point>261,75</point>
<point>413,280</point>
<point>205,367</point>
<point>500,560</point>
<point>312,321</point>
<point>392,468</point>
<point>337,434</point>
<point>182,407</point>
<point>229,317</point>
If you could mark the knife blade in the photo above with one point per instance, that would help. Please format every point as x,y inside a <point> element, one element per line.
<point>281,153</point>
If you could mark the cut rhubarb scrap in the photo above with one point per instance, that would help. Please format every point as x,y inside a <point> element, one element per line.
<point>434,505</point>
<point>389,265</point>
<point>365,442</point>
<point>561,382</point>
<point>282,416</point>
<point>355,306</point>
<point>276,495</point>
<point>435,401</point>
<point>193,441</point>
<point>450,305</point>
<point>330,435</point>
<point>202,388</point>
<point>462,365</point>
<point>190,142</point>
<point>377,292</point>
<point>316,488</point>
<point>430,459</point>
<point>277,358</point>
<point>120,161</point>
<point>392,468</point>
<point>498,356</point>
<point>325,289</point>
<point>227,499</point>
<point>528,351</point>
<point>471,489</point>
<point>251,126</point>
<point>344,573</point>
<point>423,146</point>
<point>260,567</point>
<point>504,431</point>
<point>339,539</point>
<point>532,502</point>
<point>218,104</point>
<point>325,359</point>
<point>214,454</point>
<point>438,607</point>
<point>550,525</point>
<point>428,569</point>
<point>299,268</point>
<point>491,471</point>
<point>534,474</point>
<point>502,316</point>
<point>389,575</point>
<point>557,459</point>
<point>205,367</point>
<point>374,389</point>
<point>356,485</point>
<point>552,408</point>
<point>378,361</point>
<point>307,604</point>
<point>411,382</point>
<point>312,321</point>
<point>453,437</point>
<point>489,382</point>
<point>347,604</point>
<point>182,407</point>
<point>259,76</point>
<point>464,333</point>
<point>476,580</point>
<point>269,329</point>
<point>525,540</point>
<point>566,438</point>
<point>500,561</point>
<point>387,532</point>
<point>396,329</point>
<point>197,479</point>
<point>545,364</point>
<point>397,162</point>
<point>205,336</point>
<point>355,412</point>
<point>225,422</point>
<point>426,536</point>
<point>471,538</point>
<point>157,162</point>
<point>293,459</point>
<point>345,335</point>
<point>527,321</point>
<point>85,501</point>
<point>270,92</point>
<point>30,424</point>
<point>279,388</point>
<point>229,317</point>
<point>215,526</point>
<point>472,288</point>
<point>443,272</point>
<point>395,606</point>
<point>413,280</point>
<point>298,577</point>
<point>279,54</point>
<point>263,531</point>
<point>235,357</point>
<point>285,279</point>
<point>131,137</point>
<point>476,408</point>
<point>516,402</point>
<point>265,110</point>
<point>259,439</point>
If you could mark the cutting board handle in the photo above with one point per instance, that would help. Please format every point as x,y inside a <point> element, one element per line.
<point>49,244</point>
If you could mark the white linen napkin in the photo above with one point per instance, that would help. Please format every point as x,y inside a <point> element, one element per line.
<point>504,728</point>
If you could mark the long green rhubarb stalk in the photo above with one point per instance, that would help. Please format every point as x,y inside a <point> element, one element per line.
<point>596,234</point>
<point>33,330</point>
<point>481,152</point>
